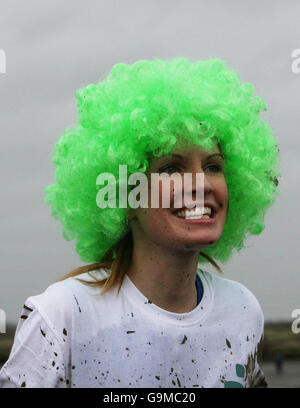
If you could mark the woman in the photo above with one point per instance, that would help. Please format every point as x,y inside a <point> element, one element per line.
<point>160,320</point>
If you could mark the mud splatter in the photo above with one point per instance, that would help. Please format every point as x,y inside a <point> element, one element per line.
<point>27,308</point>
<point>250,365</point>
<point>23,384</point>
<point>77,303</point>
<point>130,331</point>
<point>184,340</point>
<point>23,317</point>
<point>65,332</point>
<point>254,360</point>
<point>222,379</point>
<point>157,377</point>
<point>228,343</point>
<point>44,334</point>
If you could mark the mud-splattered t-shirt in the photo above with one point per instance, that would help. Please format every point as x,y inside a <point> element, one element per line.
<point>71,336</point>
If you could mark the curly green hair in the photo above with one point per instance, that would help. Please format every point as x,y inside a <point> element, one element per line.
<point>142,110</point>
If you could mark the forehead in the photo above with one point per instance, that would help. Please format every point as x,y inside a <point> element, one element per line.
<point>192,150</point>
<point>188,151</point>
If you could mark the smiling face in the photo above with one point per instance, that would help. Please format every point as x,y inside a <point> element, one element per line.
<point>179,228</point>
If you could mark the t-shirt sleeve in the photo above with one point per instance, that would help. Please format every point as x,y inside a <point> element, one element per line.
<point>37,358</point>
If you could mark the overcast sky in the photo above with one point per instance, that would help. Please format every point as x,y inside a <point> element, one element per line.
<point>54,48</point>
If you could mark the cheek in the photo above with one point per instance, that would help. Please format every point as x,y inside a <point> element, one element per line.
<point>150,219</point>
<point>221,190</point>
<point>223,199</point>
<point>225,194</point>
<point>153,224</point>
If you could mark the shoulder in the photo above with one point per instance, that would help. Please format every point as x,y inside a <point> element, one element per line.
<point>236,298</point>
<point>60,300</point>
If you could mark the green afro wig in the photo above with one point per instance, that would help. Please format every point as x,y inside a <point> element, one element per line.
<point>140,111</point>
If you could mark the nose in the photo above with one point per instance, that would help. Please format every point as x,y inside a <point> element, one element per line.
<point>207,187</point>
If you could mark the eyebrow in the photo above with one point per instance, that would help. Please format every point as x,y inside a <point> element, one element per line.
<point>215,154</point>
<point>208,157</point>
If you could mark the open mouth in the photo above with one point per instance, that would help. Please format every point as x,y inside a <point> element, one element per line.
<point>196,213</point>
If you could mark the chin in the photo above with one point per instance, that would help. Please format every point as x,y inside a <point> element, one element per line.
<point>184,245</point>
<point>199,243</point>
<point>197,246</point>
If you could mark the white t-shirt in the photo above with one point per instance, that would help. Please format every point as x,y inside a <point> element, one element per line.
<point>71,336</point>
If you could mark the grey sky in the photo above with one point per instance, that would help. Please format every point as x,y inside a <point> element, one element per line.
<point>54,48</point>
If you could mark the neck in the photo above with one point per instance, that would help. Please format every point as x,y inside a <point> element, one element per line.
<point>165,276</point>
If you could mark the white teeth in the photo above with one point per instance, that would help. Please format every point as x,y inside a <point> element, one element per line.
<point>195,213</point>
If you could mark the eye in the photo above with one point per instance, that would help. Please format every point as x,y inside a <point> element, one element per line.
<point>216,168</point>
<point>170,169</point>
